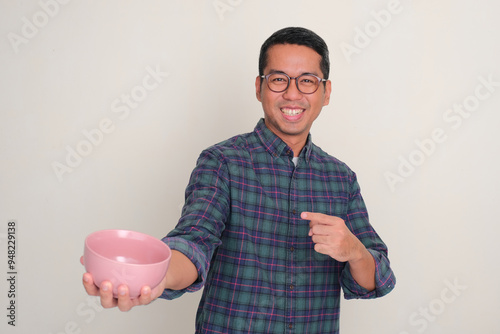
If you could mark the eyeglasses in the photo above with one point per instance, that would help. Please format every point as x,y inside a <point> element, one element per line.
<point>279,82</point>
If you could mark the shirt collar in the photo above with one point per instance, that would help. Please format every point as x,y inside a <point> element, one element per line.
<point>276,146</point>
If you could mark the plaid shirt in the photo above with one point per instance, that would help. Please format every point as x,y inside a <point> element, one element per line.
<point>241,228</point>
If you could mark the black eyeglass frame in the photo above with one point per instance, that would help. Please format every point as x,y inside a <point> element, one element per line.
<point>320,80</point>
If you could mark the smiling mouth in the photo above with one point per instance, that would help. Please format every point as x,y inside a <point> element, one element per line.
<point>291,112</point>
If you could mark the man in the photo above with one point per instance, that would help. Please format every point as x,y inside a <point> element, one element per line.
<point>272,227</point>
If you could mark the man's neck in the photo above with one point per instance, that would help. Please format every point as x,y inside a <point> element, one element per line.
<point>296,144</point>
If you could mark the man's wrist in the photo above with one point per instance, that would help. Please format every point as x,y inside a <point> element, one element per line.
<point>361,255</point>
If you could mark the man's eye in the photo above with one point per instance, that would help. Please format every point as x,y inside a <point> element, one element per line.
<point>279,80</point>
<point>307,81</point>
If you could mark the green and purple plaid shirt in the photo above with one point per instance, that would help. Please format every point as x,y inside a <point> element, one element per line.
<point>241,227</point>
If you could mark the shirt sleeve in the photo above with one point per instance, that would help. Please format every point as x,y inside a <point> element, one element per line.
<point>357,221</point>
<point>197,234</point>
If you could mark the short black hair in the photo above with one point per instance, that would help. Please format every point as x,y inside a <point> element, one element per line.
<point>298,36</point>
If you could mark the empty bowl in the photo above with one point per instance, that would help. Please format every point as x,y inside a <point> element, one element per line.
<point>126,257</point>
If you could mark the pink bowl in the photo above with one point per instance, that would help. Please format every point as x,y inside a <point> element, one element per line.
<point>126,257</point>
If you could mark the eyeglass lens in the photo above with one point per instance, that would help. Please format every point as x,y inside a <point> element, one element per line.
<point>307,84</point>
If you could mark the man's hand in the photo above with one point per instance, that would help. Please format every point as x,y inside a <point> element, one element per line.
<point>181,273</point>
<point>332,237</point>
<point>123,302</point>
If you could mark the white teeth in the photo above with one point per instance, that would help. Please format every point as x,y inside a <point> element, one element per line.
<point>291,112</point>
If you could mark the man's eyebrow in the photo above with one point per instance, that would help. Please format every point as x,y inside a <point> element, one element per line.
<point>282,72</point>
<point>276,71</point>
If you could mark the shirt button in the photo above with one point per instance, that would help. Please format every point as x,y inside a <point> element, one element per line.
<point>292,287</point>
<point>292,249</point>
<point>290,326</point>
<point>294,212</point>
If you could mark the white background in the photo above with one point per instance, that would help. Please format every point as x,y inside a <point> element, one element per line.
<point>438,215</point>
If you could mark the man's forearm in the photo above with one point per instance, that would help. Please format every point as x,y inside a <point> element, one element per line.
<point>363,270</point>
<point>181,272</point>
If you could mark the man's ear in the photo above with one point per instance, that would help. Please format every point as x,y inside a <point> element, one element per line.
<point>328,92</point>
<point>257,88</point>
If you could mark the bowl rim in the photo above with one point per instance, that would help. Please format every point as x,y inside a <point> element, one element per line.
<point>152,238</point>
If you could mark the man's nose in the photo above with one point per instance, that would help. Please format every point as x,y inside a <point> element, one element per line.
<point>292,92</point>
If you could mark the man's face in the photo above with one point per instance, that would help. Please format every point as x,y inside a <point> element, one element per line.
<point>290,114</point>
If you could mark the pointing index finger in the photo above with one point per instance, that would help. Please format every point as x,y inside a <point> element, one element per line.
<point>316,218</point>
<point>311,215</point>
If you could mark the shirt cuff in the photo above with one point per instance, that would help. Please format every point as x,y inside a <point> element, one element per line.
<point>192,253</point>
<point>384,280</point>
